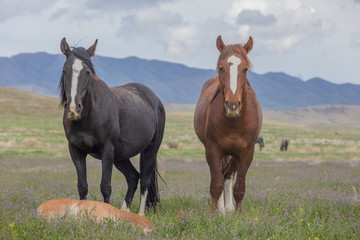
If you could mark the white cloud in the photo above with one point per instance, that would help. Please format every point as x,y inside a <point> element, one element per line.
<point>277,25</point>
<point>151,24</point>
<point>13,8</point>
<point>122,5</point>
<point>255,17</point>
<point>185,30</point>
<point>183,39</point>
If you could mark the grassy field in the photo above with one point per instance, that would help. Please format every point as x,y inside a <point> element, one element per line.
<point>309,192</point>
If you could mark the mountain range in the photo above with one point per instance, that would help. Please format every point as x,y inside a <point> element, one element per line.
<point>173,82</point>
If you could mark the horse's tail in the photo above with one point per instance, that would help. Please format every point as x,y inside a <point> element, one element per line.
<point>153,197</point>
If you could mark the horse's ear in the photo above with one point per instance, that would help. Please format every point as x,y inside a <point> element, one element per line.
<point>64,46</point>
<point>249,45</point>
<point>91,50</point>
<point>219,43</point>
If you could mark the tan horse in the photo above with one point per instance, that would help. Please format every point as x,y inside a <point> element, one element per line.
<point>228,120</point>
<point>99,211</point>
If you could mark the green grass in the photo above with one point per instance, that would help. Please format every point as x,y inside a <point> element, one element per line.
<point>309,192</point>
<point>31,136</point>
<point>284,200</point>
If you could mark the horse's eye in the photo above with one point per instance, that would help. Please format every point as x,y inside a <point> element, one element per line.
<point>245,70</point>
<point>88,72</point>
<point>221,69</point>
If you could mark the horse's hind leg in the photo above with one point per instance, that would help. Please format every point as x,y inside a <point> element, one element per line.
<point>132,178</point>
<point>148,174</point>
<point>149,196</point>
<point>229,180</point>
<point>148,180</point>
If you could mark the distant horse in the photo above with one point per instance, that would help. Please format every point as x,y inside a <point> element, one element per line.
<point>228,120</point>
<point>111,124</point>
<point>260,141</point>
<point>284,144</point>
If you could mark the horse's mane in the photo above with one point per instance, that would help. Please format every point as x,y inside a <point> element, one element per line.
<point>84,56</point>
<point>231,48</point>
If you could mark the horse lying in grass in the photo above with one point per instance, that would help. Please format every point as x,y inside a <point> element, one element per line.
<point>98,211</point>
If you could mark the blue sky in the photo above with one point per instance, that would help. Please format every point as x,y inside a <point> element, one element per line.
<point>309,38</point>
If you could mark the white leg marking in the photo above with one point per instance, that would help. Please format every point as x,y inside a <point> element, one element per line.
<point>233,72</point>
<point>124,207</point>
<point>228,187</point>
<point>142,203</point>
<point>76,69</point>
<point>220,204</point>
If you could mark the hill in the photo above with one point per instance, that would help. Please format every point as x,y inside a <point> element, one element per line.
<point>20,103</point>
<point>172,82</point>
<point>318,115</point>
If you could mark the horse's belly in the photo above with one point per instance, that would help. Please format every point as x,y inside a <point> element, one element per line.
<point>128,149</point>
<point>122,152</point>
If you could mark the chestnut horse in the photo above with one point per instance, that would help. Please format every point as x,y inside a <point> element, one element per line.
<point>228,120</point>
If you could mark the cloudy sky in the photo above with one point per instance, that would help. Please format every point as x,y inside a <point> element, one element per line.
<point>306,39</point>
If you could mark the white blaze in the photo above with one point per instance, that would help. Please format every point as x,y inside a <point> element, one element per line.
<point>76,69</point>
<point>233,72</point>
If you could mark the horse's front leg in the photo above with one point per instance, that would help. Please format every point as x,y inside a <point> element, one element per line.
<point>213,158</point>
<point>243,166</point>
<point>79,159</point>
<point>107,159</point>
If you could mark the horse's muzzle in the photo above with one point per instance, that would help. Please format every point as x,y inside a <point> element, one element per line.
<point>73,115</point>
<point>232,110</point>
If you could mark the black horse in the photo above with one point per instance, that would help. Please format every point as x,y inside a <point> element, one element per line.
<point>284,144</point>
<point>260,141</point>
<point>111,124</point>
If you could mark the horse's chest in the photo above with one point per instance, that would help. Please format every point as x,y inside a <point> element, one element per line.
<point>230,138</point>
<point>84,141</point>
<point>233,143</point>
